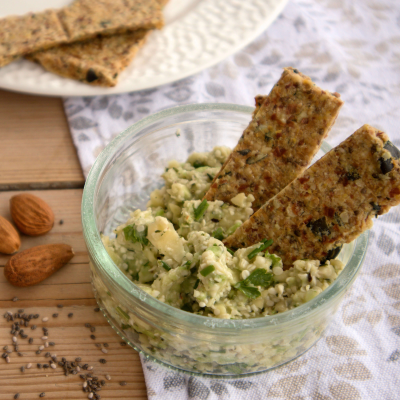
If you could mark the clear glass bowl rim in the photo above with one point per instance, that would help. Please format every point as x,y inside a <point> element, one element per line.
<point>103,261</point>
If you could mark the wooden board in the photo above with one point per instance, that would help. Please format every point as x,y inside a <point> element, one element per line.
<point>71,287</point>
<point>36,147</point>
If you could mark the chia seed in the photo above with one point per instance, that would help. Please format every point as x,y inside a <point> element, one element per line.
<point>103,361</point>
<point>60,306</point>
<point>16,396</point>
<point>15,299</point>
<point>33,327</point>
<point>52,344</point>
<point>123,383</point>
<point>97,309</point>
<point>42,394</point>
<point>70,315</point>
<point>92,329</point>
<point>55,315</point>
<point>93,337</point>
<point>30,341</point>
<point>105,344</point>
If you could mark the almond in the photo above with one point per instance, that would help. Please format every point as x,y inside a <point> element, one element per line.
<point>32,215</point>
<point>37,263</point>
<point>9,238</point>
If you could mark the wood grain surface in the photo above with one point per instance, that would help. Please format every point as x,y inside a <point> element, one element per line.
<point>37,152</point>
<point>36,147</point>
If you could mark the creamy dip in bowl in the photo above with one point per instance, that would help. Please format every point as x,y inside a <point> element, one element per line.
<point>161,274</point>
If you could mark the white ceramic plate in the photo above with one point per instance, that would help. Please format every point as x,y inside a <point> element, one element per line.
<point>197,34</point>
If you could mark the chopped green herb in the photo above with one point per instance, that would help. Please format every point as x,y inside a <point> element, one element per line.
<point>145,265</point>
<point>159,213</point>
<point>157,231</point>
<point>200,210</point>
<point>250,292</point>
<point>165,266</point>
<point>132,235</point>
<point>187,307</point>
<point>122,313</point>
<point>135,277</point>
<point>196,285</point>
<point>207,270</point>
<point>218,234</point>
<point>264,246</point>
<point>198,164</point>
<point>230,251</point>
<point>210,177</point>
<point>126,326</point>
<point>259,277</point>
<point>187,264</point>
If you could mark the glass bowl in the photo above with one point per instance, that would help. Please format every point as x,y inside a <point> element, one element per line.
<point>120,181</point>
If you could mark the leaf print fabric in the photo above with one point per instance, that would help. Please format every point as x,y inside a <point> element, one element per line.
<point>351,47</point>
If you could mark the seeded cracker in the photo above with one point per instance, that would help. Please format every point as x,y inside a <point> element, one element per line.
<point>97,61</point>
<point>331,203</point>
<point>21,35</point>
<point>82,20</point>
<point>86,18</point>
<point>285,133</point>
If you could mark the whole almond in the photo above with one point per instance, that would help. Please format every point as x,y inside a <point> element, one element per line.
<point>32,215</point>
<point>9,238</point>
<point>33,265</point>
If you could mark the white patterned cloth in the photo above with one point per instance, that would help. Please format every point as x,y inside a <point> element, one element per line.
<point>348,46</point>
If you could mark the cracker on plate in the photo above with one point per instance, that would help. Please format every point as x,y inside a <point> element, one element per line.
<point>83,19</point>
<point>86,18</point>
<point>21,35</point>
<point>97,61</point>
<point>286,131</point>
<point>331,203</point>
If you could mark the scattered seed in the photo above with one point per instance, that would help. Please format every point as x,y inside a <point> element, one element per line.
<point>22,369</point>
<point>78,359</point>
<point>47,354</point>
<point>102,361</point>
<point>45,365</point>
<point>90,395</point>
<point>20,354</point>
<point>92,329</point>
<point>105,351</point>
<point>41,348</point>
<point>5,348</point>
<point>70,315</point>
<point>123,344</point>
<point>16,396</point>
<point>90,368</point>
<point>97,309</point>
<point>87,325</point>
<point>21,310</point>
<point>52,344</point>
<point>54,366</point>
<point>15,299</point>
<point>105,344</point>
<point>28,366</point>
<point>61,221</point>
<point>84,384</point>
<point>108,377</point>
<point>14,339</point>
<point>98,345</point>
<point>93,337</point>
<point>55,315</point>
<point>123,383</point>
<point>30,341</point>
<point>42,394</point>
<point>39,365</point>
<point>33,327</point>
<point>46,344</point>
<point>44,337</point>
<point>8,359</point>
<point>36,316</point>
<point>45,319</point>
<point>78,369</point>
